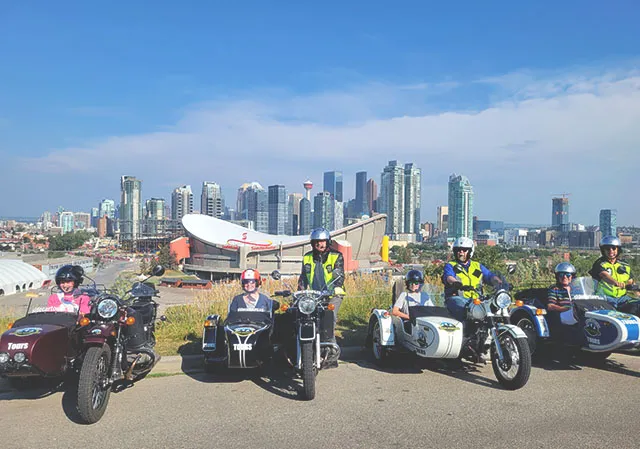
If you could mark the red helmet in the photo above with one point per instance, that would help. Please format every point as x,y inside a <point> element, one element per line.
<point>251,275</point>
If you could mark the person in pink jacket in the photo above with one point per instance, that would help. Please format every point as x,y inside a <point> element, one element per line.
<point>70,298</point>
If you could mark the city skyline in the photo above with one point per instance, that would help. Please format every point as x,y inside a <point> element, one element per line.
<point>524,99</point>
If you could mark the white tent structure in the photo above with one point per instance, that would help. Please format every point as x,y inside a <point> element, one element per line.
<point>17,276</point>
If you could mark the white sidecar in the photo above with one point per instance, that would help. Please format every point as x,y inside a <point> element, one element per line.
<point>430,333</point>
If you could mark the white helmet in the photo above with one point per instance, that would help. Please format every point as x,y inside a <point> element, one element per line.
<point>463,242</point>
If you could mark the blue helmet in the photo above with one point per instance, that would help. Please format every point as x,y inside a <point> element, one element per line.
<point>414,277</point>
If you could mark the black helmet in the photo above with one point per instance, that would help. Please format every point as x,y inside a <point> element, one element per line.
<point>70,273</point>
<point>413,277</point>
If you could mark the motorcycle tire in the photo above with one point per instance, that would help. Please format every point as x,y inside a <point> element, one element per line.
<point>513,373</point>
<point>380,354</point>
<point>529,329</point>
<point>309,370</point>
<point>93,397</point>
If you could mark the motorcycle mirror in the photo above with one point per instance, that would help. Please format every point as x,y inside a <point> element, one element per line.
<point>275,274</point>
<point>163,318</point>
<point>275,305</point>
<point>511,268</point>
<point>158,270</point>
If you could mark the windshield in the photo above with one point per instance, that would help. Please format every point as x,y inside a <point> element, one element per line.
<point>435,292</point>
<point>584,288</point>
<point>76,302</point>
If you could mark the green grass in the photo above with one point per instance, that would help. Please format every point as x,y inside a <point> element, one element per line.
<point>182,332</point>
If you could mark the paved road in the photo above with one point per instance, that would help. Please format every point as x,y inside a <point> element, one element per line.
<point>16,305</point>
<point>357,406</point>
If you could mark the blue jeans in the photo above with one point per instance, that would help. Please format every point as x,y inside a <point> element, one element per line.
<point>457,306</point>
<point>615,302</point>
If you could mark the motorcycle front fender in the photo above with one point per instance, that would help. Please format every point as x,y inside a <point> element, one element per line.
<point>515,331</point>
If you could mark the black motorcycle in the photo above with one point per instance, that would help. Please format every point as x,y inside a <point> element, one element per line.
<point>120,336</point>
<point>313,318</point>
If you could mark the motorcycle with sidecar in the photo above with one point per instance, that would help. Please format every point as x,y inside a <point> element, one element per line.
<point>110,345</point>
<point>592,324</point>
<point>432,332</point>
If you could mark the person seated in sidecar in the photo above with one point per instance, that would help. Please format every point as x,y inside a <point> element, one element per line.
<point>414,280</point>
<point>69,298</point>
<point>561,314</point>
<point>251,299</point>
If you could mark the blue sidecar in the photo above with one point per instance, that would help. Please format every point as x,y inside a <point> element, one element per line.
<point>592,324</point>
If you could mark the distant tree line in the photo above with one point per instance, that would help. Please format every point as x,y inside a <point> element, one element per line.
<point>69,241</point>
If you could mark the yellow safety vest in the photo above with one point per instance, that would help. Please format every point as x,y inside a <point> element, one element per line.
<point>471,276</point>
<point>620,272</point>
<point>328,265</point>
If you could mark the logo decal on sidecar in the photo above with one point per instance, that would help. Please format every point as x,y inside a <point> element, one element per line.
<point>592,328</point>
<point>243,331</point>
<point>449,327</point>
<point>26,331</point>
<point>618,315</point>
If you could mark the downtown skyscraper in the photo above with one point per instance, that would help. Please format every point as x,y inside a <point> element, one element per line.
<point>130,207</point>
<point>460,220</point>
<point>211,202</point>
<point>560,214</point>
<point>333,184</point>
<point>391,200</point>
<point>412,199</point>
<point>278,216</point>
<point>609,222</point>
<point>181,202</point>
<point>253,205</point>
<point>362,203</point>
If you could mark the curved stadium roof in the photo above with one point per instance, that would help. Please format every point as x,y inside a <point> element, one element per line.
<point>15,273</point>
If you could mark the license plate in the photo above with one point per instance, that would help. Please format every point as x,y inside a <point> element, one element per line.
<point>242,346</point>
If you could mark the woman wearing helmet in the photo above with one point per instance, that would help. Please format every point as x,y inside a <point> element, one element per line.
<point>613,275</point>
<point>462,270</point>
<point>251,299</point>
<point>414,280</point>
<point>69,298</point>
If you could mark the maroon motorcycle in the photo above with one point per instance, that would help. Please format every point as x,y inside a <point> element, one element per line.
<point>110,346</point>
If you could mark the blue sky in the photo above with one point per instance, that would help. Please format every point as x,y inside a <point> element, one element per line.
<point>526,100</point>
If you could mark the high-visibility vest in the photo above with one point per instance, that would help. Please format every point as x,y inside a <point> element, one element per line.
<point>468,276</point>
<point>620,272</point>
<point>328,265</point>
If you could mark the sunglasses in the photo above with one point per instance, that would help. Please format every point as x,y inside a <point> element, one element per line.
<point>609,248</point>
<point>567,275</point>
<point>415,283</point>
<point>248,281</point>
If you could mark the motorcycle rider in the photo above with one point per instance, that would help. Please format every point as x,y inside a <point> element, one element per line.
<point>614,276</point>
<point>463,270</point>
<point>318,267</point>
<point>251,299</point>
<point>69,298</point>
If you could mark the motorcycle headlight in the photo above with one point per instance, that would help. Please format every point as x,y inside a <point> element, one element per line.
<point>107,308</point>
<point>4,357</point>
<point>503,300</point>
<point>19,357</point>
<point>306,306</point>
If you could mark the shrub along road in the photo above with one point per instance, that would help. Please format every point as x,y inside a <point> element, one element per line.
<point>565,404</point>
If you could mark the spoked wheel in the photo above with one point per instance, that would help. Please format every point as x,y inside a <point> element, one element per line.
<point>309,370</point>
<point>529,329</point>
<point>380,354</point>
<point>93,386</point>
<point>513,371</point>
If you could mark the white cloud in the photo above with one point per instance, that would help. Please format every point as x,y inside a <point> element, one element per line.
<point>539,134</point>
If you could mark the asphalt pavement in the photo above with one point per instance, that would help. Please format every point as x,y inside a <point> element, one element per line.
<point>358,405</point>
